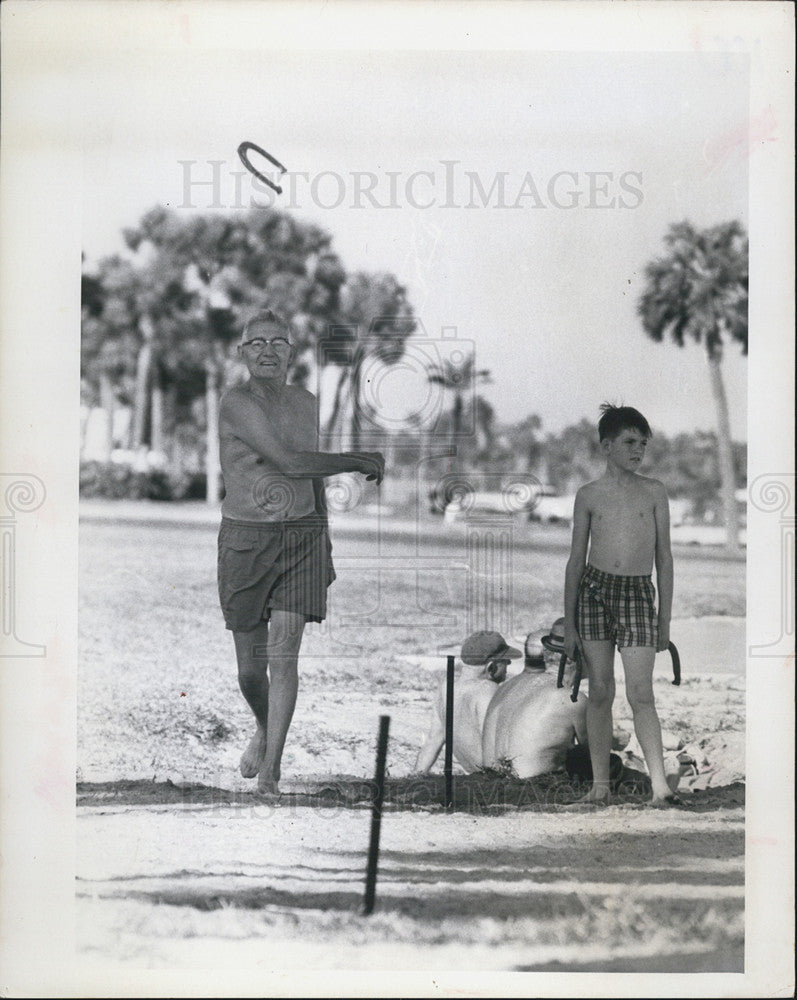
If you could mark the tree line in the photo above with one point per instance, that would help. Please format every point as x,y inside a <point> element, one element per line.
<point>160,325</point>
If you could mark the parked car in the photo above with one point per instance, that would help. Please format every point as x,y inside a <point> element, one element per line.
<point>549,508</point>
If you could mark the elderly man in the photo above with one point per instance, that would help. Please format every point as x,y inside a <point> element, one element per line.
<point>274,555</point>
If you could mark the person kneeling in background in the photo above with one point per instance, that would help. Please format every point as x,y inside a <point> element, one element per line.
<point>485,656</point>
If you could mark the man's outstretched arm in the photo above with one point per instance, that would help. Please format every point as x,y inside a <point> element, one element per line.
<point>244,418</point>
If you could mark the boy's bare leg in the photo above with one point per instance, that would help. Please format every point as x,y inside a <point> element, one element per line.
<point>600,667</point>
<point>284,639</point>
<point>250,651</point>
<point>638,665</point>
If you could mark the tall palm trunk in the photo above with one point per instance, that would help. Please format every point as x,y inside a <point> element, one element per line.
<point>156,414</point>
<point>329,431</point>
<point>212,462</point>
<point>456,446</point>
<point>727,472</point>
<point>456,417</point>
<point>356,416</point>
<point>143,366</point>
<point>170,409</point>
<point>108,405</point>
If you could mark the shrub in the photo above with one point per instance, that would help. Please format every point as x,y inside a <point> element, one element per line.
<point>113,481</point>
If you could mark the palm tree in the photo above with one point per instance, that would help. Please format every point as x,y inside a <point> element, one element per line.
<point>527,447</point>
<point>458,377</point>
<point>201,276</point>
<point>698,290</point>
<point>110,338</point>
<point>376,319</point>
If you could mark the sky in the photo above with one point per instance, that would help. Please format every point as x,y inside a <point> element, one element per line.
<point>598,153</point>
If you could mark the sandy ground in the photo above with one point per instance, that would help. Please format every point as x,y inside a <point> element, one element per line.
<point>517,890</point>
<point>178,865</point>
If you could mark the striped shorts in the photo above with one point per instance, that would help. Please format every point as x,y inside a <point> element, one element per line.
<point>619,608</point>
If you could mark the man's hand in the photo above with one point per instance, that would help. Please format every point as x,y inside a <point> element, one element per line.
<point>572,642</point>
<point>371,464</point>
<point>664,636</point>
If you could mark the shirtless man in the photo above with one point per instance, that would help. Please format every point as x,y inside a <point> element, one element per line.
<point>623,519</point>
<point>530,723</point>
<point>274,557</point>
<point>485,656</point>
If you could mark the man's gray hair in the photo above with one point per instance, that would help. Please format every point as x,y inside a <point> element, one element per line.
<point>267,315</point>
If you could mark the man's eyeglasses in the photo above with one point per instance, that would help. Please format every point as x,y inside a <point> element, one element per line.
<point>258,343</point>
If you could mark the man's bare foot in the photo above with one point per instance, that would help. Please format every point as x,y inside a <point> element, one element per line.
<point>268,781</point>
<point>267,789</point>
<point>268,793</point>
<point>252,757</point>
<point>667,801</point>
<point>596,797</point>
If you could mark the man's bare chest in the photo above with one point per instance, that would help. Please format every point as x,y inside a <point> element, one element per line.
<point>293,424</point>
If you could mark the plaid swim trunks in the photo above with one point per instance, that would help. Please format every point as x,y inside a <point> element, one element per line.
<point>620,608</point>
<point>278,565</point>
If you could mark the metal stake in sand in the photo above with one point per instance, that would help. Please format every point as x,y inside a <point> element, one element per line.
<point>376,815</point>
<point>449,757</point>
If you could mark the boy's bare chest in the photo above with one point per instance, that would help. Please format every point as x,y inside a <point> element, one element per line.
<point>623,513</point>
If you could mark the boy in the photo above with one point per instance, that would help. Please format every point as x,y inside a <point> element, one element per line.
<point>624,520</point>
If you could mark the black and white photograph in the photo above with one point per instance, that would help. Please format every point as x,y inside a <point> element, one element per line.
<point>398,498</point>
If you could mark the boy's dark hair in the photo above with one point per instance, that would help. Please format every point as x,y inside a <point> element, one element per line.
<point>616,419</point>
